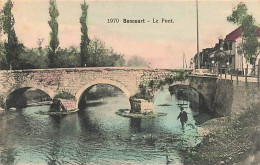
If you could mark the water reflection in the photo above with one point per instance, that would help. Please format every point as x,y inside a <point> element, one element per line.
<point>53,155</point>
<point>135,125</point>
<point>85,123</point>
<point>95,135</point>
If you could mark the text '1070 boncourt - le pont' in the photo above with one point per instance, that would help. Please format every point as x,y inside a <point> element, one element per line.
<point>139,21</point>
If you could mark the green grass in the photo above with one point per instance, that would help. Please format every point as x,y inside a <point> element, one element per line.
<point>230,143</point>
<point>126,113</point>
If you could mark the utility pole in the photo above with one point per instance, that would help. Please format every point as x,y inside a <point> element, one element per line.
<point>198,53</point>
<point>183,60</point>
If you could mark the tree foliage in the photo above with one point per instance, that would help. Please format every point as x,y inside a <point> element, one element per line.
<point>12,47</point>
<point>68,57</point>
<point>238,14</point>
<point>33,59</point>
<point>7,17</point>
<point>100,56</point>
<point>84,35</point>
<point>54,40</point>
<point>136,61</point>
<point>97,51</point>
<point>3,63</point>
<point>250,39</point>
<point>250,45</point>
<point>115,59</point>
<point>1,23</point>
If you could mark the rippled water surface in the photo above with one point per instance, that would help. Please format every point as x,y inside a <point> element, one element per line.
<point>96,135</point>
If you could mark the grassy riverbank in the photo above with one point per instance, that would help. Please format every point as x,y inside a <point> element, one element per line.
<point>57,113</point>
<point>231,140</point>
<point>126,113</point>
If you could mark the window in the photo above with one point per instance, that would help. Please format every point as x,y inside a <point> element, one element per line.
<point>230,46</point>
<point>225,46</point>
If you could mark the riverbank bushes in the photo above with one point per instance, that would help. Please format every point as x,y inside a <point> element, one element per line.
<point>64,95</point>
<point>147,88</point>
<point>231,142</point>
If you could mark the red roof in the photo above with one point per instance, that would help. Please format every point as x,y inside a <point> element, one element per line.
<point>234,35</point>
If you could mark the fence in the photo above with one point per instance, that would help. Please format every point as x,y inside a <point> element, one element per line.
<point>244,73</point>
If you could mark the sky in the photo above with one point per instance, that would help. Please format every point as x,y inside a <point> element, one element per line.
<point>161,44</point>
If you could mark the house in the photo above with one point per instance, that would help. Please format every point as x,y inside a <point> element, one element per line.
<point>227,53</point>
<point>232,48</point>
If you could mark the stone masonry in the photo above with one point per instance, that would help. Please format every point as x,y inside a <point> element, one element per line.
<point>77,80</point>
<point>220,96</point>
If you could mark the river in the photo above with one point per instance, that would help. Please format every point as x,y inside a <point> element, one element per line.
<point>96,135</point>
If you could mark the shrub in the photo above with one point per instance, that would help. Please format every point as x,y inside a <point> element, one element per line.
<point>168,80</point>
<point>181,75</point>
<point>151,83</point>
<point>64,95</point>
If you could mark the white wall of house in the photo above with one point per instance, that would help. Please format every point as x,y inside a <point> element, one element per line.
<point>240,61</point>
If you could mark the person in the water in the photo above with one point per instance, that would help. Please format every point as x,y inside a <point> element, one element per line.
<point>183,117</point>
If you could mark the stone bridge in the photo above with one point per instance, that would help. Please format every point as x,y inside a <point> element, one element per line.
<point>77,80</point>
<point>205,87</point>
<point>215,94</point>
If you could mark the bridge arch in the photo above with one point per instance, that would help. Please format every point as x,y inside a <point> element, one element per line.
<point>80,92</point>
<point>202,99</point>
<point>19,91</point>
<point>42,88</point>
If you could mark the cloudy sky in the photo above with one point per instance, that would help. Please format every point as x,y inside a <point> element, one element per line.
<point>163,45</point>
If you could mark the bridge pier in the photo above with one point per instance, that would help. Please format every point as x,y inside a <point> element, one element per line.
<point>63,105</point>
<point>141,106</point>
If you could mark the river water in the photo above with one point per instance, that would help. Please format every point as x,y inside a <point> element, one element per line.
<point>96,135</point>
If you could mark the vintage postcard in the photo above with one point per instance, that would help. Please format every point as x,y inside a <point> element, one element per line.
<point>129,82</point>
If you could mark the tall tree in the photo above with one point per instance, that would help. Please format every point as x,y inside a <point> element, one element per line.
<point>54,41</point>
<point>3,63</point>
<point>1,45</point>
<point>250,40</point>
<point>12,46</point>
<point>1,24</point>
<point>250,44</point>
<point>84,35</point>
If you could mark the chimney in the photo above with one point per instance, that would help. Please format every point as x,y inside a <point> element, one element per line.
<point>220,43</point>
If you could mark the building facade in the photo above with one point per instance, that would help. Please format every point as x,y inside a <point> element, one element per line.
<point>227,53</point>
<point>235,39</point>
